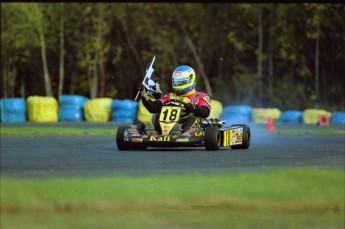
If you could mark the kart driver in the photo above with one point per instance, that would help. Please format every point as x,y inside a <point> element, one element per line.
<point>183,83</point>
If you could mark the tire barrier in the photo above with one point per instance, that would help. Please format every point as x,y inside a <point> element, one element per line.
<point>143,114</point>
<point>311,116</point>
<point>124,110</point>
<point>98,110</point>
<point>216,109</point>
<point>234,114</point>
<point>42,109</point>
<point>291,116</point>
<point>338,117</point>
<point>71,108</point>
<point>261,115</point>
<point>13,110</point>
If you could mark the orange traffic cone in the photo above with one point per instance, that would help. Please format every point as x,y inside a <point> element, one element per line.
<point>270,124</point>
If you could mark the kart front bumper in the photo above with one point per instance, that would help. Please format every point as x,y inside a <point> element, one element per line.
<point>166,141</point>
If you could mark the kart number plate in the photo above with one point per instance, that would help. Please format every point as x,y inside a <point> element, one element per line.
<point>170,114</point>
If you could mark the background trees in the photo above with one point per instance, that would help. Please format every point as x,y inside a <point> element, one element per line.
<point>289,56</point>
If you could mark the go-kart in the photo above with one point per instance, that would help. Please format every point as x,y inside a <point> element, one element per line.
<point>208,132</point>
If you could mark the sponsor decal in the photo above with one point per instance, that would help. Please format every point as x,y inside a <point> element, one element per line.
<point>159,139</point>
<point>207,99</point>
<point>231,137</point>
<point>227,137</point>
<point>182,140</point>
<point>177,73</point>
<point>137,140</point>
<point>135,135</point>
<point>238,137</point>
<point>198,134</point>
<point>195,96</point>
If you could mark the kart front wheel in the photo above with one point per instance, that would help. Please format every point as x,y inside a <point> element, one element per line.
<point>120,138</point>
<point>212,138</point>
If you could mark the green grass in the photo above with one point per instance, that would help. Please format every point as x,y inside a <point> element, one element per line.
<point>284,185</point>
<point>291,198</point>
<point>278,187</point>
<point>56,131</point>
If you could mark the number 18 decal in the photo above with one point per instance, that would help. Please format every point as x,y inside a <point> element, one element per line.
<point>170,114</point>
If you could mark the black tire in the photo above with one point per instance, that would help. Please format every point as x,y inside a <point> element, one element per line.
<point>120,139</point>
<point>246,137</point>
<point>138,147</point>
<point>212,138</point>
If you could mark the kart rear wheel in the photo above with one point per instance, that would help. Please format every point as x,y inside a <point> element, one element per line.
<point>120,139</point>
<point>246,138</point>
<point>212,138</point>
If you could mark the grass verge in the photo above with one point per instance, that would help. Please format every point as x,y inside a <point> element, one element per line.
<point>294,188</point>
<point>291,198</point>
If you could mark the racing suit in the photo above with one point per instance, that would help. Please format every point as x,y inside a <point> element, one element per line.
<point>199,106</point>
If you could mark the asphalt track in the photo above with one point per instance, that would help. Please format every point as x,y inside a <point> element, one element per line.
<point>87,155</point>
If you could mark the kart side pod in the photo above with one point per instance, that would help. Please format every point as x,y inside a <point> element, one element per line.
<point>237,137</point>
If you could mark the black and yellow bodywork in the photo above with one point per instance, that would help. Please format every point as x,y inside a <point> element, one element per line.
<point>209,133</point>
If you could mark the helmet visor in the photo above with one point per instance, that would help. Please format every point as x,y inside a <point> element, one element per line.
<point>179,81</point>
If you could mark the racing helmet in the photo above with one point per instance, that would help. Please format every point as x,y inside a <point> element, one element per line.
<point>183,79</point>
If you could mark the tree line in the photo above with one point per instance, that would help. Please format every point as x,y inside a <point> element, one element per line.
<point>289,56</point>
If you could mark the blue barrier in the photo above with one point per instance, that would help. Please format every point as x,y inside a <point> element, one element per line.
<point>0,108</point>
<point>71,107</point>
<point>338,117</point>
<point>13,110</point>
<point>291,116</point>
<point>77,100</point>
<point>124,104</point>
<point>124,110</point>
<point>236,114</point>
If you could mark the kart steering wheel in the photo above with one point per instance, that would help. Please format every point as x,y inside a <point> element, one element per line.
<point>178,101</point>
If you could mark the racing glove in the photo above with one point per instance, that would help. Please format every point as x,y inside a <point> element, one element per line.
<point>152,105</point>
<point>202,111</point>
<point>143,93</point>
<point>199,111</point>
<point>190,108</point>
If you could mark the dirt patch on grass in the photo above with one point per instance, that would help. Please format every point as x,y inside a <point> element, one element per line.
<point>245,205</point>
